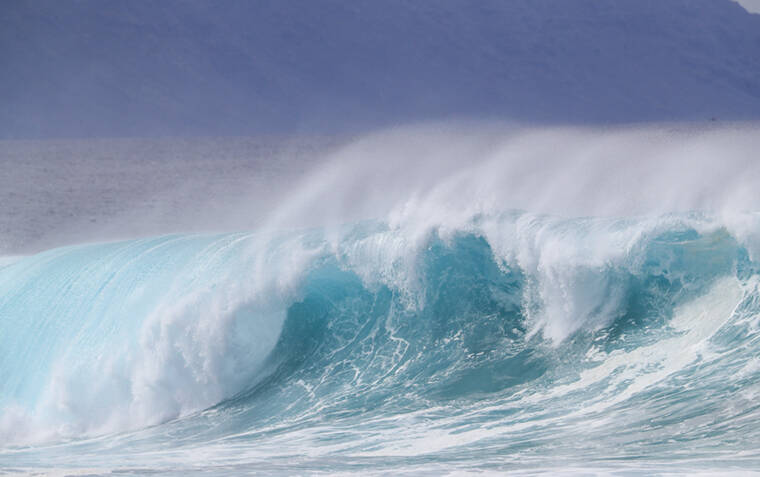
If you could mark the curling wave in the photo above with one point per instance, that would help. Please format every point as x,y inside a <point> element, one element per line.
<point>450,335</point>
<point>121,336</point>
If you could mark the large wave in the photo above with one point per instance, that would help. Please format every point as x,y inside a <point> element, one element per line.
<point>454,326</point>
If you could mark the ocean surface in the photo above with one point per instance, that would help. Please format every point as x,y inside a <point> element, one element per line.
<point>554,301</point>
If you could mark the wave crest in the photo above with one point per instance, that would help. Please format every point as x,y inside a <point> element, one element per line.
<point>121,336</point>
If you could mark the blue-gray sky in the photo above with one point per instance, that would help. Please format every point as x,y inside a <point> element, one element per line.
<point>191,67</point>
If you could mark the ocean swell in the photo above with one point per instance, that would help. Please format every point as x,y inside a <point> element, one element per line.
<point>119,336</point>
<point>422,301</point>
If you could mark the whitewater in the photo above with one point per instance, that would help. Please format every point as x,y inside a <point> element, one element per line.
<point>436,299</point>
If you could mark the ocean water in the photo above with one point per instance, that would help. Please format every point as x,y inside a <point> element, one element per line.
<point>450,333</point>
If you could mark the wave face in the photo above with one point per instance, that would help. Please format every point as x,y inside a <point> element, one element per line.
<point>510,341</point>
<point>434,299</point>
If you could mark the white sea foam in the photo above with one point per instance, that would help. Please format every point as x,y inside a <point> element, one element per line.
<point>161,330</point>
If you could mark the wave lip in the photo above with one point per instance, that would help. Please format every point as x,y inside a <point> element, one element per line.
<point>119,336</point>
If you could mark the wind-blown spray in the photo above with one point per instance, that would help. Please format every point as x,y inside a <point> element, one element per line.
<point>436,296</point>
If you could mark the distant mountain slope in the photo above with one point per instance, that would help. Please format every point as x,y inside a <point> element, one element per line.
<point>145,67</point>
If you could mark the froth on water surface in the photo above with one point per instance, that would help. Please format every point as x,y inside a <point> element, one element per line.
<point>434,298</point>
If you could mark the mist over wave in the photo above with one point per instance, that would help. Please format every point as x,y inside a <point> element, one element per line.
<point>443,295</point>
<point>121,189</point>
<point>568,171</point>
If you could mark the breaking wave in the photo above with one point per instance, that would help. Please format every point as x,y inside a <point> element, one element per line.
<point>470,336</point>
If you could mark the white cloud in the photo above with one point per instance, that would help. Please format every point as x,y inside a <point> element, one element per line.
<point>750,5</point>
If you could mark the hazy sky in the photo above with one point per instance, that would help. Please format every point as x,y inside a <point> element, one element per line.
<point>109,68</point>
<point>751,5</point>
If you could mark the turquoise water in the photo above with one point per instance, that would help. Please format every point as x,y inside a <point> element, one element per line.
<point>511,342</point>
